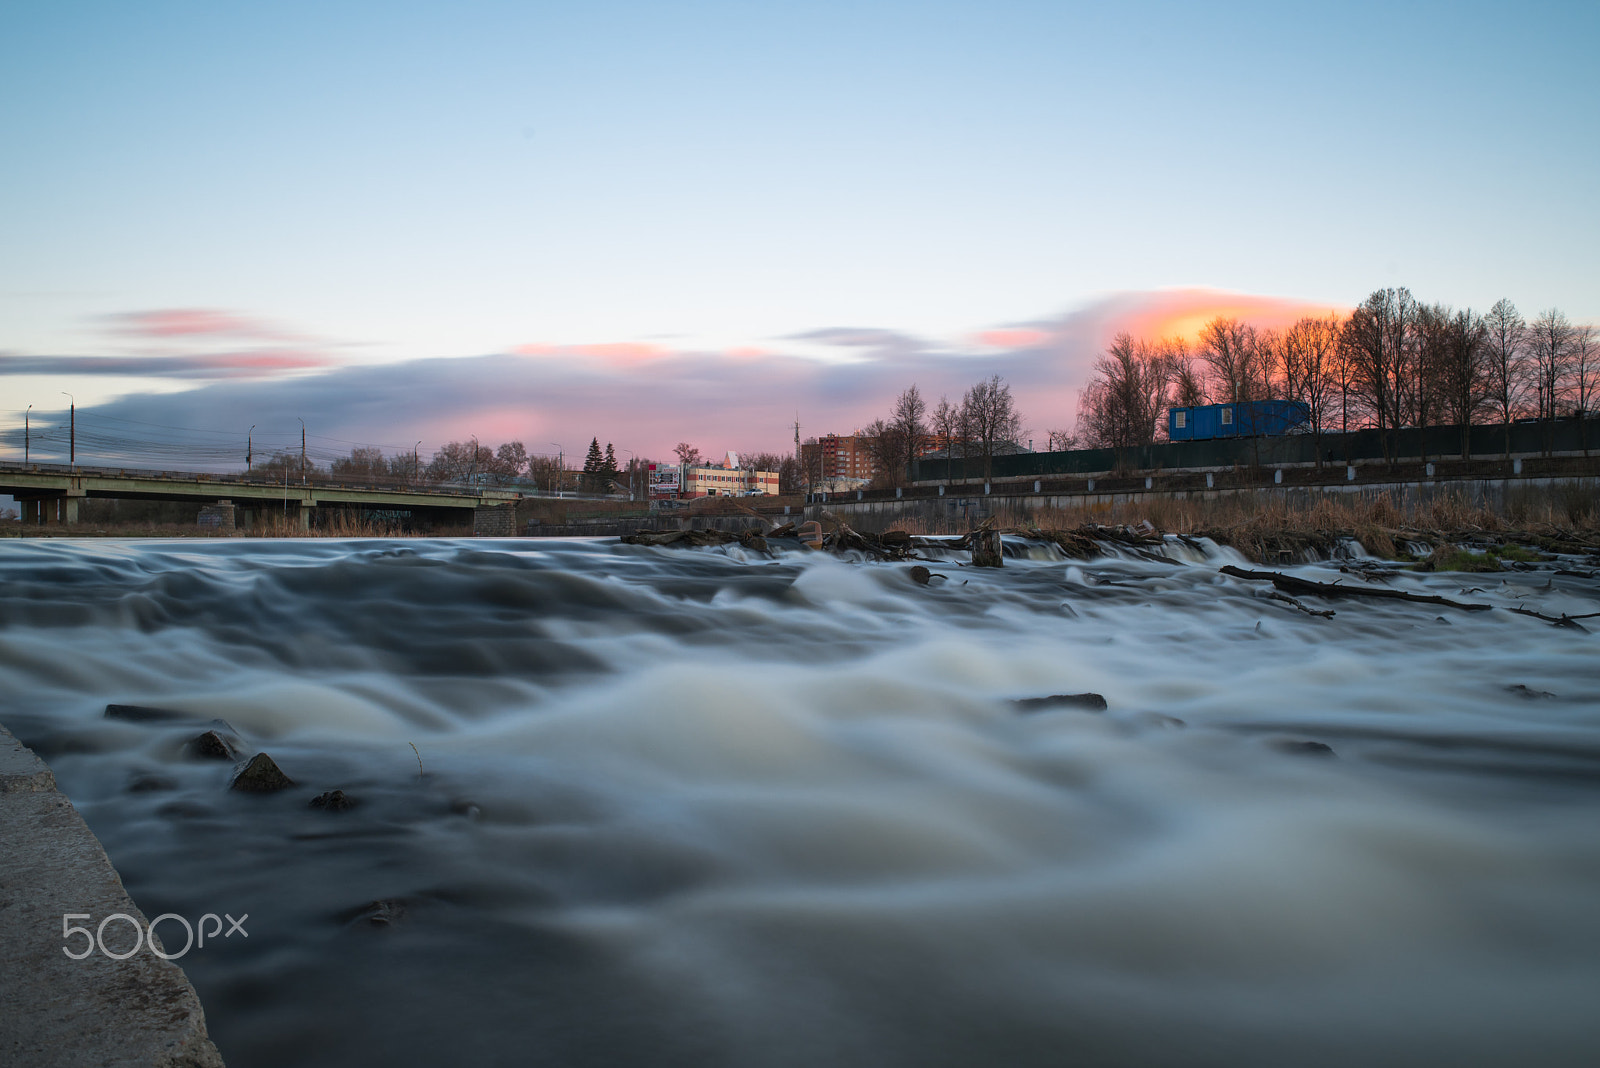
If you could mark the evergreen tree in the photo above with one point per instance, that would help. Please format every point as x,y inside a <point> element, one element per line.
<point>609,475</point>
<point>592,464</point>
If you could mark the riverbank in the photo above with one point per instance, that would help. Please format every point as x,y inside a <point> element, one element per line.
<point>55,1010</point>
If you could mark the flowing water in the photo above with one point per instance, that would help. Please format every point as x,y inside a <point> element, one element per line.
<point>707,808</point>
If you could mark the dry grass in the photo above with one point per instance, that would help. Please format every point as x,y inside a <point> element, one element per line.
<point>1265,527</point>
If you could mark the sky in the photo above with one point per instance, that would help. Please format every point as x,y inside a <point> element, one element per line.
<point>656,222</point>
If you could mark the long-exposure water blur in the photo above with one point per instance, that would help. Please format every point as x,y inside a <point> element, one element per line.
<point>618,805</point>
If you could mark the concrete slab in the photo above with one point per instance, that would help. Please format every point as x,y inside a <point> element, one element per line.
<point>56,1011</point>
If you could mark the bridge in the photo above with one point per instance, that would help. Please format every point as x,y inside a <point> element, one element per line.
<point>49,493</point>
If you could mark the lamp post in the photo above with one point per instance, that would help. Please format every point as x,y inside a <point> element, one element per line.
<point>633,461</point>
<point>72,454</point>
<point>249,447</point>
<point>561,466</point>
<point>25,431</point>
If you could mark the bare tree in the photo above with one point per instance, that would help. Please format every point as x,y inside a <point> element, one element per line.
<point>687,454</point>
<point>1585,377</point>
<point>896,442</point>
<point>1188,383</point>
<point>364,462</point>
<point>991,419</point>
<point>1461,371</point>
<point>1506,335</point>
<point>1230,350</point>
<point>1061,440</point>
<point>1309,354</point>
<point>1128,397</point>
<point>1376,340</point>
<point>949,428</point>
<point>1550,344</point>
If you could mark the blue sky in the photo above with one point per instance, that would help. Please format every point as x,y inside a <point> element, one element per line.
<point>358,185</point>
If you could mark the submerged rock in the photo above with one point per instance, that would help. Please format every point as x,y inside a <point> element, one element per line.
<point>260,776</point>
<point>1088,702</point>
<point>146,714</point>
<point>333,801</point>
<point>1302,747</point>
<point>921,575</point>
<point>384,914</point>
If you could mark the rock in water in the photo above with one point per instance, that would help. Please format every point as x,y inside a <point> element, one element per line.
<point>260,776</point>
<point>1089,702</point>
<point>1300,747</point>
<point>333,801</point>
<point>146,714</point>
<point>921,575</point>
<point>210,746</point>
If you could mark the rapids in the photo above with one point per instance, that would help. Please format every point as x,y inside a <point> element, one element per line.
<point>705,808</point>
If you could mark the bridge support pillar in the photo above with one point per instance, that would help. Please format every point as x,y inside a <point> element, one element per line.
<point>304,513</point>
<point>69,509</point>
<point>30,513</point>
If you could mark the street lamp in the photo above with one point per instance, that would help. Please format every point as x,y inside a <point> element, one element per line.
<point>633,461</point>
<point>249,447</point>
<point>561,466</point>
<point>72,455</point>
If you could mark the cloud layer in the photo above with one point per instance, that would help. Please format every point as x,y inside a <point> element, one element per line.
<point>643,397</point>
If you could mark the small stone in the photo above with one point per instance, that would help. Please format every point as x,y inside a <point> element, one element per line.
<point>384,914</point>
<point>333,801</point>
<point>260,776</point>
<point>1529,694</point>
<point>921,575</point>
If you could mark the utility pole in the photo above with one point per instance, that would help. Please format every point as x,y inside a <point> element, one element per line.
<point>416,463</point>
<point>249,447</point>
<point>302,451</point>
<point>72,455</point>
<point>561,466</point>
<point>25,434</point>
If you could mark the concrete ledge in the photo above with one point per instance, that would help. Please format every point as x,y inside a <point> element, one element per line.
<point>96,1011</point>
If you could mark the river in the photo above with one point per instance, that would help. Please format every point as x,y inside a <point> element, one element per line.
<point>707,808</point>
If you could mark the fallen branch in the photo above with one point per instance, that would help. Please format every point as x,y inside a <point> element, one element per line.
<point>1278,595</point>
<point>1560,621</point>
<point>1290,584</point>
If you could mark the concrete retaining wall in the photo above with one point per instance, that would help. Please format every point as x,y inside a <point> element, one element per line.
<point>95,1011</point>
<point>962,506</point>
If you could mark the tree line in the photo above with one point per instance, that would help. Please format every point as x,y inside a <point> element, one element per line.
<point>983,424</point>
<point>470,462</point>
<point>1392,362</point>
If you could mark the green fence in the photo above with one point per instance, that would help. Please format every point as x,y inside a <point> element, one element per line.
<point>1434,442</point>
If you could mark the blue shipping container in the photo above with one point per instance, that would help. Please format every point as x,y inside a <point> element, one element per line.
<point>1246,419</point>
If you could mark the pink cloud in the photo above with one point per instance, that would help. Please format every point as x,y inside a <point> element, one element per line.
<point>1013,338</point>
<point>188,322</point>
<point>613,352</point>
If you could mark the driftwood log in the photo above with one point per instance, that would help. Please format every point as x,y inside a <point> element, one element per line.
<point>1291,584</point>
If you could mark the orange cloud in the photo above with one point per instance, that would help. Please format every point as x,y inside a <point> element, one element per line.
<point>1184,313</point>
<point>1013,338</point>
